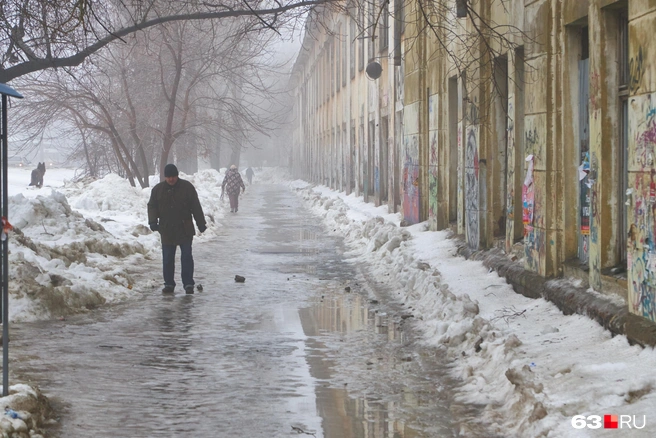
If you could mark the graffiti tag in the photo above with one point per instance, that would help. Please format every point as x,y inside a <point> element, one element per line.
<point>636,71</point>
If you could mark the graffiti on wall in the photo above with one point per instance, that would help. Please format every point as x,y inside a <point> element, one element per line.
<point>641,250</point>
<point>533,212</point>
<point>461,182</point>
<point>534,249</point>
<point>472,214</point>
<point>594,208</point>
<point>411,179</point>
<point>510,184</point>
<point>595,249</point>
<point>535,145</point>
<point>636,71</point>
<point>433,183</point>
<point>644,108</point>
<point>432,178</point>
<point>533,142</point>
<point>528,197</point>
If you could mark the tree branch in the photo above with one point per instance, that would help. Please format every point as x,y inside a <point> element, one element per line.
<point>37,64</point>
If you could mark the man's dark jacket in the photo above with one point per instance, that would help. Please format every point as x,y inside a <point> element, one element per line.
<point>173,206</point>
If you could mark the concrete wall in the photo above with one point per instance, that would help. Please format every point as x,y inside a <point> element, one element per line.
<point>641,255</point>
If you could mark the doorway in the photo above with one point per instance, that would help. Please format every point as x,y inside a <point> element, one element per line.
<point>584,185</point>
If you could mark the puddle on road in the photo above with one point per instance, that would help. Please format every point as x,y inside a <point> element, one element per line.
<point>368,382</point>
<point>243,359</point>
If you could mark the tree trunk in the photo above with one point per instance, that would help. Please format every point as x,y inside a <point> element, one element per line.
<point>187,154</point>
<point>215,152</point>
<point>235,154</point>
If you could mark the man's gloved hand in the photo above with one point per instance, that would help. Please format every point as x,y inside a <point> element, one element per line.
<point>154,226</point>
<point>202,228</point>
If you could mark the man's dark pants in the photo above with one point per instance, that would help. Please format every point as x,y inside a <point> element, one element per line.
<point>186,260</point>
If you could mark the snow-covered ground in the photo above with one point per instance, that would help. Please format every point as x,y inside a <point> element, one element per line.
<point>532,367</point>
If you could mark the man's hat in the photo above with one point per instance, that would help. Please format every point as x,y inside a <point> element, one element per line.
<point>170,170</point>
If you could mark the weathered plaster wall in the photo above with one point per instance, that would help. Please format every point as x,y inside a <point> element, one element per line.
<point>641,252</point>
<point>433,161</point>
<point>414,165</point>
<point>472,186</point>
<point>462,219</point>
<point>512,209</point>
<point>538,18</point>
<point>604,142</point>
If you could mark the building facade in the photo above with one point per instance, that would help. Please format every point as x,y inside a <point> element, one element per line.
<point>346,124</point>
<point>528,125</point>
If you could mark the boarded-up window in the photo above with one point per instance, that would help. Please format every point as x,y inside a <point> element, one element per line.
<point>384,25</point>
<point>461,8</point>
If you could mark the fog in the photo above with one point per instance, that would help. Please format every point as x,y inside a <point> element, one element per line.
<point>112,116</point>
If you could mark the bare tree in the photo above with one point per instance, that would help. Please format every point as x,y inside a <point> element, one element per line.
<point>39,34</point>
<point>156,92</point>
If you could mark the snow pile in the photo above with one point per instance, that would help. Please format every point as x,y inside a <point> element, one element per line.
<point>208,185</point>
<point>122,208</point>
<point>62,262</point>
<point>72,245</point>
<point>532,367</point>
<point>25,411</point>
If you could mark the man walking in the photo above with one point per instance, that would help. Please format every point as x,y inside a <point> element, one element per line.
<point>231,184</point>
<point>172,204</point>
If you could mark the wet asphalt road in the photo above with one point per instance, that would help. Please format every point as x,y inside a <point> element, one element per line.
<point>287,353</point>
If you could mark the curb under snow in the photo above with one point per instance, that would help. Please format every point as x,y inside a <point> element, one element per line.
<point>568,297</point>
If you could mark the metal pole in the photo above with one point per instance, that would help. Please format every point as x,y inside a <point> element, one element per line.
<point>4,272</point>
<point>5,256</point>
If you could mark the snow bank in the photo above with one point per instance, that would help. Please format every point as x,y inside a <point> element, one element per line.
<point>25,412</point>
<point>72,246</point>
<point>61,262</point>
<point>532,367</point>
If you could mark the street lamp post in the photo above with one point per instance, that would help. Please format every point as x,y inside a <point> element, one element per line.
<point>4,275</point>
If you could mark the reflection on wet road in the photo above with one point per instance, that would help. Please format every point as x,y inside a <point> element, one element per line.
<point>288,352</point>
